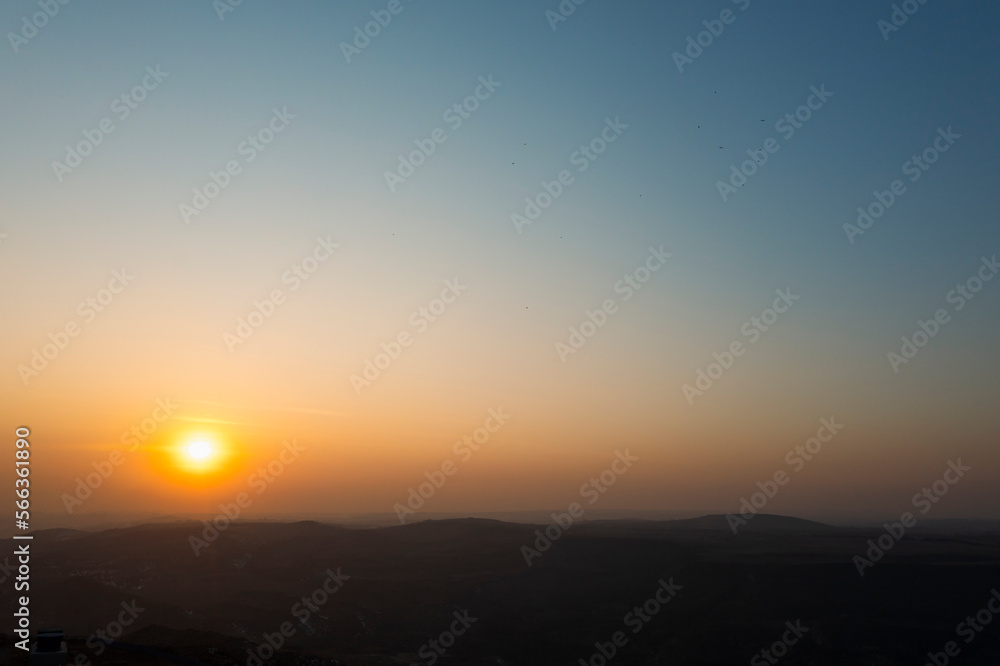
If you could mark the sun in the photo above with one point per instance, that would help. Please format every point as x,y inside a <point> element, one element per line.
<point>199,450</point>
<point>200,454</point>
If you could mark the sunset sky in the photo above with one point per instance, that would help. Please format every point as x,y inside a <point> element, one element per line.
<point>356,254</point>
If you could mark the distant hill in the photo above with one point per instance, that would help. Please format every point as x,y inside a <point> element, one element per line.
<point>762,522</point>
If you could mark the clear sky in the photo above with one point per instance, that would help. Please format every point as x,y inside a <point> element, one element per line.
<point>649,230</point>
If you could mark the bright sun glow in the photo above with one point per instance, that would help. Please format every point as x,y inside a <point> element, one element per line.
<point>199,450</point>
<point>200,454</point>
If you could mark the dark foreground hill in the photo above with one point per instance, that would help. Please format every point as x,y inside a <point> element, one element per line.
<point>462,592</point>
